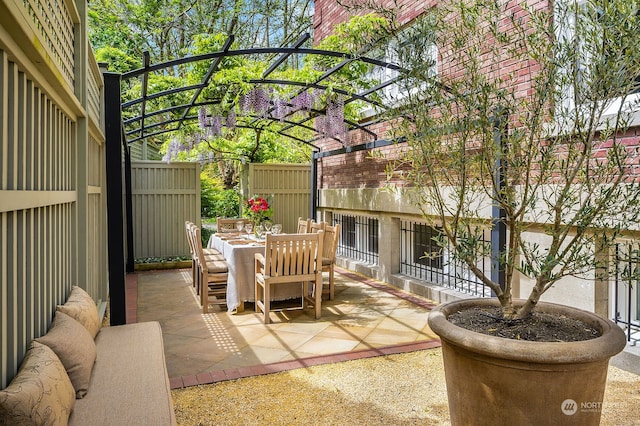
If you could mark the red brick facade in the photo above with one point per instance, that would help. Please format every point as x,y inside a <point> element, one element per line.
<point>328,13</point>
<point>363,169</point>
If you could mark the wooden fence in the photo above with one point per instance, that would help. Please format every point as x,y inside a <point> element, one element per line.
<point>52,207</point>
<point>163,197</point>
<point>289,186</point>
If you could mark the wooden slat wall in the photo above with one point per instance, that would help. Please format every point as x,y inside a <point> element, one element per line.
<point>52,211</point>
<point>290,186</point>
<point>164,196</point>
<point>37,212</point>
<point>96,280</point>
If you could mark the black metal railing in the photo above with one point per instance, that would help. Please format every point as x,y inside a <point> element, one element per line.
<point>358,238</point>
<point>626,293</point>
<point>422,258</point>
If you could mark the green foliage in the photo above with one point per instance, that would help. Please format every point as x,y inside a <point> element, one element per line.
<point>118,60</point>
<point>216,201</point>
<point>557,112</point>
<point>205,234</point>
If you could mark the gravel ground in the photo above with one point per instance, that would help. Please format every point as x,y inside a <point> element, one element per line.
<point>405,389</point>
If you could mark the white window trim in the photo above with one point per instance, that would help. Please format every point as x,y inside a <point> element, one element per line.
<point>613,107</point>
<point>393,94</point>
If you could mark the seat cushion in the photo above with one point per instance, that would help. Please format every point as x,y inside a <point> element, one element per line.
<point>211,252</point>
<point>129,382</point>
<point>217,266</point>
<point>41,393</point>
<point>81,307</point>
<point>73,344</point>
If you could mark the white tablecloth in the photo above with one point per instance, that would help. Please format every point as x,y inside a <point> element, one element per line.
<point>241,282</point>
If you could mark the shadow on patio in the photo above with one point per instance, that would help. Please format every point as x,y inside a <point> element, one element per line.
<point>367,318</point>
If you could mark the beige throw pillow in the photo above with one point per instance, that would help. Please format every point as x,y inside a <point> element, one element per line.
<point>75,348</point>
<point>40,394</point>
<point>81,307</point>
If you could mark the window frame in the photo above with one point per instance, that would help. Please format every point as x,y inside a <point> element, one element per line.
<point>566,32</point>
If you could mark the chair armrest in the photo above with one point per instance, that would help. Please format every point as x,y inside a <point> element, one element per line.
<point>260,258</point>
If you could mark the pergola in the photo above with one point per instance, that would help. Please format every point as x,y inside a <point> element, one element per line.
<point>143,121</point>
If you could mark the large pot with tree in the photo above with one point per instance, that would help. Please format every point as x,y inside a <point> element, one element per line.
<point>524,128</point>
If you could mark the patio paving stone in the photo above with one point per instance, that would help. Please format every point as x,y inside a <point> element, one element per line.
<point>366,318</point>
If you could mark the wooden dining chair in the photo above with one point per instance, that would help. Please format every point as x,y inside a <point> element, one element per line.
<point>316,226</point>
<point>227,224</point>
<point>212,277</point>
<point>210,254</point>
<point>329,249</point>
<point>303,225</point>
<point>289,258</point>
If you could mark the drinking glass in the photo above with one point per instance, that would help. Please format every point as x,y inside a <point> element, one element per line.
<point>276,229</point>
<point>240,225</point>
<point>260,231</point>
<point>249,228</point>
<point>267,225</point>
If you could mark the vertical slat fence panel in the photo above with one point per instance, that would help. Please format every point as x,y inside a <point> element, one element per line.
<point>164,196</point>
<point>290,187</point>
<point>41,106</point>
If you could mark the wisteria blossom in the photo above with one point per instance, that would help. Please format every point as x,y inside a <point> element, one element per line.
<point>231,120</point>
<point>304,101</point>
<point>215,126</point>
<point>332,123</point>
<point>202,117</point>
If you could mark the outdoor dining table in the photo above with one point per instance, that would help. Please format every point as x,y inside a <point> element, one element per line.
<point>239,251</point>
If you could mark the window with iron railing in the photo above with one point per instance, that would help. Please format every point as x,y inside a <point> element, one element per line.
<point>422,257</point>
<point>626,291</point>
<point>358,238</point>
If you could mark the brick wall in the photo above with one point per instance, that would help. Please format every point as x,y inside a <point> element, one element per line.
<point>328,13</point>
<point>362,169</point>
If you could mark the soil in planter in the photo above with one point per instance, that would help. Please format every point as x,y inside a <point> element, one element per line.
<point>539,326</point>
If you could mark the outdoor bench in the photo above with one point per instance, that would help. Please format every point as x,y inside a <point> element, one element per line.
<point>129,382</point>
<point>80,373</point>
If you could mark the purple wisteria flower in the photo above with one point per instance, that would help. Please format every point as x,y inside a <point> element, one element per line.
<point>304,101</point>
<point>215,126</point>
<point>332,123</point>
<point>280,109</point>
<point>202,117</point>
<point>231,120</point>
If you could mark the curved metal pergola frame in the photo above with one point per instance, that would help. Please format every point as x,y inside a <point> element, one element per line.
<point>119,133</point>
<point>158,122</point>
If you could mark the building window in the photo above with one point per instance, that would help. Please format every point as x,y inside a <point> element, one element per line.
<point>425,250</point>
<point>588,26</point>
<point>408,50</point>
<point>423,258</point>
<point>358,238</point>
<point>626,287</point>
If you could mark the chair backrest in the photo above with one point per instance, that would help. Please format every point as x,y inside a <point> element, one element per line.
<point>226,224</point>
<point>188,225</point>
<point>194,238</point>
<point>290,257</point>
<point>331,238</point>
<point>317,226</point>
<point>197,243</point>
<point>303,225</point>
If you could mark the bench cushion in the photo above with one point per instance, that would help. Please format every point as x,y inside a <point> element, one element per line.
<point>73,344</point>
<point>129,382</point>
<point>40,394</point>
<point>81,307</point>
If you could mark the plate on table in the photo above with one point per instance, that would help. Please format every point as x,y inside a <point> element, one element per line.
<point>228,236</point>
<point>239,242</point>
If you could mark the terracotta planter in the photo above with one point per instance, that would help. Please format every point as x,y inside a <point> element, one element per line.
<point>498,381</point>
